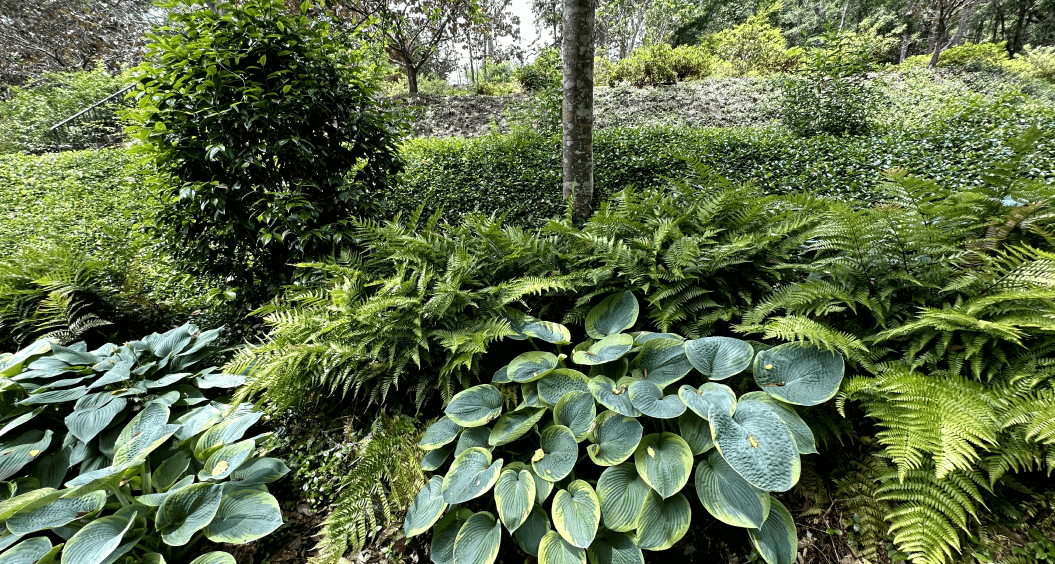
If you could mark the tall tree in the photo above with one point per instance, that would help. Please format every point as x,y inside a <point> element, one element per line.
<point>549,17</point>
<point>577,121</point>
<point>942,13</point>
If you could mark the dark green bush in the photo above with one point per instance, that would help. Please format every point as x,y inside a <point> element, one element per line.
<point>545,72</point>
<point>660,64</point>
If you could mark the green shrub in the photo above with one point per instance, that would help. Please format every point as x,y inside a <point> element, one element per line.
<point>268,135</point>
<point>753,48</point>
<point>158,465</point>
<point>427,84</point>
<point>969,56</point>
<point>1036,62</point>
<point>660,64</point>
<point>544,73</point>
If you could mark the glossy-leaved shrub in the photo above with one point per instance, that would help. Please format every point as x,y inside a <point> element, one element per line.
<point>118,452</point>
<point>647,408</point>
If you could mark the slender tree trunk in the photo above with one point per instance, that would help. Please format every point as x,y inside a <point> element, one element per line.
<point>961,29</point>
<point>412,78</point>
<point>940,26</point>
<point>842,20</point>
<point>906,37</point>
<point>577,119</point>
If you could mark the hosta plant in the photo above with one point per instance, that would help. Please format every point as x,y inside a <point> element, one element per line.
<point>119,453</point>
<point>594,462</point>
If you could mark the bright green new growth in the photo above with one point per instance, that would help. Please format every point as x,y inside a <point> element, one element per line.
<point>646,419</point>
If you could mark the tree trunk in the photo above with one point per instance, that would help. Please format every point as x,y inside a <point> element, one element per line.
<point>906,37</point>
<point>412,78</point>
<point>940,27</point>
<point>961,30</point>
<point>842,20</point>
<point>577,119</point>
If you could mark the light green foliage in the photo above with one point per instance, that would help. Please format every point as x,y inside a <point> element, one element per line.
<point>969,56</point>
<point>753,48</point>
<point>645,495</point>
<point>119,451</point>
<point>659,64</point>
<point>1037,62</point>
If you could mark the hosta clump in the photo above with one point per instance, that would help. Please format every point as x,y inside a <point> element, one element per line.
<point>650,427</point>
<point>120,453</point>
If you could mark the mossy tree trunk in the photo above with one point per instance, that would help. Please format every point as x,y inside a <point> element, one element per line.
<point>577,118</point>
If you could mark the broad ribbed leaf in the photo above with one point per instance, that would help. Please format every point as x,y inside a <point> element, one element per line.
<point>171,470</point>
<point>531,366</point>
<point>224,433</point>
<point>700,400</point>
<point>662,361</point>
<point>576,411</point>
<point>92,413</point>
<point>515,424</point>
<point>719,357</point>
<point>557,455</point>
<point>529,534</point>
<point>144,433</point>
<point>11,365</point>
<point>28,551</point>
<point>478,540</point>
<point>663,521</point>
<point>259,471</point>
<point>614,314</point>
<point>622,493</point>
<point>612,370</point>
<point>53,511</point>
<point>553,549</point>
<point>799,375</point>
<point>443,535</point>
<point>56,396</point>
<point>197,420</point>
<point>16,454</point>
<point>577,513</point>
<point>215,557</point>
<point>224,461</point>
<point>542,487</point>
<point>648,398</point>
<point>20,420</point>
<point>476,406</point>
<point>804,439</point>
<point>244,515</point>
<point>119,372</point>
<point>94,543</point>
<point>664,460</point>
<point>186,511</point>
<point>441,432</point>
<point>501,376</point>
<point>514,497</point>
<point>527,326</point>
<point>611,547</point>
<point>614,395</point>
<point>759,446</point>
<point>474,437</point>
<point>728,496</point>
<point>777,540</point>
<point>696,432</point>
<point>616,437</point>
<point>608,349</point>
<point>561,381</point>
<point>433,459</point>
<point>471,475</point>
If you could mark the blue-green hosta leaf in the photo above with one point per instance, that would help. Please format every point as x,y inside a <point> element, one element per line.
<point>501,376</point>
<point>471,475</point>
<point>542,487</point>
<point>72,356</point>
<point>662,361</point>
<point>777,540</point>
<point>433,459</point>
<point>700,400</point>
<point>104,477</point>
<point>553,549</point>
<point>97,540</point>
<point>515,424</point>
<point>53,511</point>
<point>527,326</point>
<point>529,534</point>
<point>443,535</point>
<point>224,461</point>
<point>616,438</point>
<point>608,349</point>
<point>7,539</point>
<point>577,513</point>
<point>11,365</point>
<point>642,337</point>
<point>614,395</point>
<point>612,370</point>
<point>156,499</point>
<point>515,497</point>
<point>664,460</point>
<point>153,558</point>
<point>171,342</point>
<point>215,557</point>
<point>119,372</point>
<point>611,547</point>
<point>224,433</point>
<point>171,470</point>
<point>474,437</point>
<point>759,446</point>
<point>258,471</point>
<point>93,413</point>
<point>728,496</point>
<point>561,381</point>
<point>218,380</point>
<point>531,398</point>
<point>244,515</point>
<point>531,366</point>
<point>56,396</point>
<point>614,314</point>
<point>719,357</point>
<point>663,521</point>
<point>51,468</point>
<point>576,411</point>
<point>799,375</point>
<point>478,540</point>
<point>804,439</point>
<point>28,551</point>
<point>622,492</point>
<point>696,432</point>
<point>9,506</point>
<point>186,511</point>
<point>557,455</point>
<point>147,431</point>
<point>476,406</point>
<point>16,454</point>
<point>198,420</point>
<point>648,398</point>
<point>20,420</point>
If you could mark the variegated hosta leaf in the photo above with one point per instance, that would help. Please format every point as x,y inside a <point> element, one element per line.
<point>515,424</point>
<point>476,406</point>
<point>664,460</point>
<point>614,314</point>
<point>577,513</point>
<point>478,540</point>
<point>719,357</point>
<point>473,437</point>
<point>258,471</point>
<point>553,549</point>
<point>171,470</point>
<point>530,533</point>
<point>576,411</point>
<point>663,521</point>
<point>215,557</point>
<point>759,446</point>
<point>561,381</point>
<point>696,432</point>
<point>614,396</point>
<point>608,349</point>
<point>433,459</point>
<point>471,475</point>
<point>542,487</point>
<point>29,551</point>
<point>648,398</point>
<point>54,510</point>
<point>224,461</point>
<point>527,326</point>
<point>611,547</point>
<point>514,497</point>
<point>441,432</point>
<point>612,370</point>
<point>531,366</point>
<point>501,376</point>
<point>700,400</point>
<point>443,535</point>
<point>622,493</point>
<point>11,365</point>
<point>147,431</point>
<point>244,516</point>
<point>642,337</point>
<point>662,361</point>
<point>798,374</point>
<point>224,433</point>
<point>426,509</point>
<point>557,455</point>
<point>186,511</point>
<point>529,390</point>
<point>777,540</point>
<point>616,437</point>
<point>16,454</point>
<point>728,496</point>
<point>97,540</point>
<point>804,439</point>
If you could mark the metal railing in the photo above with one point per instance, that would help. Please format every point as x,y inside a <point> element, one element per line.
<point>94,126</point>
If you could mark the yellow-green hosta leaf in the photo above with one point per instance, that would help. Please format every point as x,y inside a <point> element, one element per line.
<point>501,376</point>
<point>798,374</point>
<point>473,437</point>
<point>614,396</point>
<point>759,446</point>
<point>153,558</point>
<point>642,337</point>
<point>527,326</point>
<point>440,433</point>
<point>616,438</point>
<point>471,475</point>
<point>662,361</point>
<point>478,540</point>
<point>614,314</point>
<point>719,357</point>
<point>805,442</point>
<point>663,521</point>
<point>426,509</point>
<point>622,493</point>
<point>16,454</point>
<point>10,506</point>
<point>28,551</point>
<point>97,540</point>
<point>186,511</point>
<point>226,460</point>
<point>531,366</point>
<point>557,455</point>
<point>542,487</point>
<point>515,424</point>
<point>576,411</point>
<point>529,534</point>
<point>561,381</point>
<point>577,513</point>
<point>648,398</point>
<point>608,349</point>
<point>244,515</point>
<point>54,510</point>
<point>777,541</point>
<point>696,432</point>
<point>612,370</point>
<point>444,533</point>
<point>12,364</point>
<point>664,460</point>
<point>611,547</point>
<point>224,433</point>
<point>476,406</point>
<point>514,497</point>
<point>529,390</point>
<point>700,400</point>
<point>433,459</point>
<point>728,496</point>
<point>554,549</point>
<point>215,557</point>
